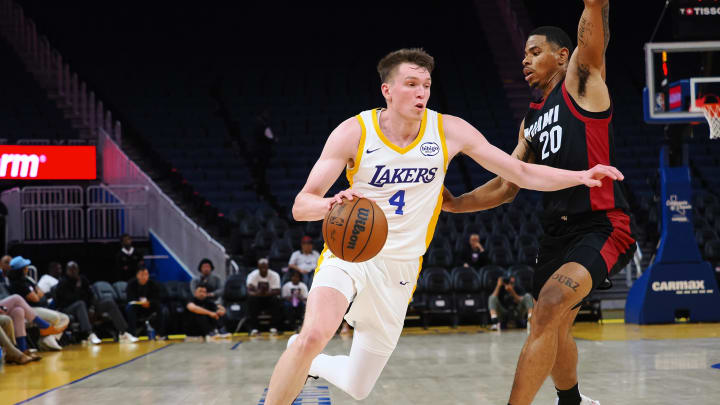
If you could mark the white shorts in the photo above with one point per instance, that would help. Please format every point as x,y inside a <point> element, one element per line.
<point>380,290</point>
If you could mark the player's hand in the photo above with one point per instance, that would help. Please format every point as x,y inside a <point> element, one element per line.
<point>592,177</point>
<point>348,194</point>
<point>449,201</point>
<point>500,282</point>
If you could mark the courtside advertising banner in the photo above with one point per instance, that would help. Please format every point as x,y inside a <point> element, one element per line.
<point>31,162</point>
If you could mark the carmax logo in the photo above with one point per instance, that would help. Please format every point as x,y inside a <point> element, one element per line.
<point>21,166</point>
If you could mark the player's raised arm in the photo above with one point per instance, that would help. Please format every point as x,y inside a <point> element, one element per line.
<point>340,148</point>
<point>586,70</point>
<point>463,137</point>
<point>494,192</point>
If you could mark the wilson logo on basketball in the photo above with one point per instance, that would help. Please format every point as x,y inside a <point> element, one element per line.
<point>358,227</point>
<point>429,149</point>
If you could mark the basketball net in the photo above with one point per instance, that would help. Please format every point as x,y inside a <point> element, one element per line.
<point>711,108</point>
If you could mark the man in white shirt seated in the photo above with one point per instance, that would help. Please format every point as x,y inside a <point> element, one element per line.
<point>51,279</point>
<point>263,287</point>
<point>305,259</point>
<point>294,294</point>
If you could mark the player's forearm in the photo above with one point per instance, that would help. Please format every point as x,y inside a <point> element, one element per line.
<point>545,178</point>
<point>309,207</point>
<point>490,195</point>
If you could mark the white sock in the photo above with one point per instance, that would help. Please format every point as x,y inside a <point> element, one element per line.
<point>355,374</point>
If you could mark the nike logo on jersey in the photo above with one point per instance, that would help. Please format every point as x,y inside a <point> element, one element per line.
<point>384,176</point>
<point>550,117</point>
<point>368,151</point>
<point>404,282</point>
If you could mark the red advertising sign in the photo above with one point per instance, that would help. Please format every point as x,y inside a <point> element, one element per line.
<point>675,97</point>
<point>31,162</point>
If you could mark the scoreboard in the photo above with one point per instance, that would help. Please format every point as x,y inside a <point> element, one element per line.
<point>696,19</point>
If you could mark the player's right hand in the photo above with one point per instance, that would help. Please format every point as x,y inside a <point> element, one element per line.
<point>348,194</point>
<point>592,177</point>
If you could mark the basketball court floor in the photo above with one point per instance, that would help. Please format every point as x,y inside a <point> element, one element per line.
<point>620,364</point>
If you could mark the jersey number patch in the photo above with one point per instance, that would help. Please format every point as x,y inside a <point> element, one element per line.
<point>554,138</point>
<point>398,200</point>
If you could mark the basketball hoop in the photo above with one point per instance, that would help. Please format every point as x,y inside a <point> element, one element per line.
<point>710,105</point>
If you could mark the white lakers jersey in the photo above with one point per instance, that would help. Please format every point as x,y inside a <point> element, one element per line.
<point>405,182</point>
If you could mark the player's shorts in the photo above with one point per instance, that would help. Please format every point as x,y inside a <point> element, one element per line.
<point>601,241</point>
<point>380,292</point>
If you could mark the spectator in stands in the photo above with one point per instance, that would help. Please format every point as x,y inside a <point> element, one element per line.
<point>305,259</point>
<point>7,341</point>
<point>26,288</point>
<point>475,254</point>
<point>145,301</point>
<point>202,315</point>
<point>127,259</point>
<point>212,282</point>
<point>294,294</point>
<point>509,302</point>
<point>5,266</point>
<point>263,287</point>
<point>20,312</point>
<point>51,279</point>
<point>74,294</point>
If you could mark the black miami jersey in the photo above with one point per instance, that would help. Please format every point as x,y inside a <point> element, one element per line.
<point>563,135</point>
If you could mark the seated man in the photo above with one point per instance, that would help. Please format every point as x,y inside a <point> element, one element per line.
<point>263,287</point>
<point>305,259</point>
<point>212,282</point>
<point>509,302</point>
<point>294,294</point>
<point>21,313</point>
<point>5,267</point>
<point>74,296</point>
<point>202,315</point>
<point>475,254</point>
<point>25,287</point>
<point>145,301</point>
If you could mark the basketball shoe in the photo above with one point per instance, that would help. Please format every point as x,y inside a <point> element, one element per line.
<point>583,401</point>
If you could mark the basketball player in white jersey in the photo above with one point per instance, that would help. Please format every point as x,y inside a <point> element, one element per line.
<point>397,157</point>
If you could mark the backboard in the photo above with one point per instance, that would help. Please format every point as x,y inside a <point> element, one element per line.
<point>678,74</point>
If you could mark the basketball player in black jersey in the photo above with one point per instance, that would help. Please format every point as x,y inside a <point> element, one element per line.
<point>587,231</point>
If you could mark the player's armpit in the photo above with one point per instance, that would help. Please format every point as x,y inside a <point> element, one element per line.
<point>340,148</point>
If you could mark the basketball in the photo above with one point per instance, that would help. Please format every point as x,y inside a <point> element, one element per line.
<point>355,231</point>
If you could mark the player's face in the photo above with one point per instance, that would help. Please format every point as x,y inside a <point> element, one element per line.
<point>542,61</point>
<point>408,90</point>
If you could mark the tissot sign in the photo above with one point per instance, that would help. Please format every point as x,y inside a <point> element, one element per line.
<point>30,162</point>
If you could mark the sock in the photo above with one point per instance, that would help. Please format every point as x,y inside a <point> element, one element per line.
<point>493,320</point>
<point>21,343</point>
<point>569,397</point>
<point>40,323</point>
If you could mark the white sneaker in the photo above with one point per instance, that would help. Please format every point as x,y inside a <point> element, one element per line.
<point>495,326</point>
<point>273,331</point>
<point>254,332</point>
<point>51,343</point>
<point>583,401</point>
<point>128,338</point>
<point>92,338</point>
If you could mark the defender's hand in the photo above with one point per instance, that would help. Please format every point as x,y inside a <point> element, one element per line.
<point>592,177</point>
<point>449,203</point>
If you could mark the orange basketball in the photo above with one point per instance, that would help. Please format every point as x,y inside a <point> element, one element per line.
<point>355,231</point>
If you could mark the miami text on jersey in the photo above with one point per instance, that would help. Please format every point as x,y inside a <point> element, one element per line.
<point>550,117</point>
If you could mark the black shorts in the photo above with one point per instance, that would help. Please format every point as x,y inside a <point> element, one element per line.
<point>601,241</point>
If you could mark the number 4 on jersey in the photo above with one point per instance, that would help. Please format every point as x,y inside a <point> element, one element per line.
<point>398,200</point>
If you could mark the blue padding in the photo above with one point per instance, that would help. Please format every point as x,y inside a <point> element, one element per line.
<point>170,269</point>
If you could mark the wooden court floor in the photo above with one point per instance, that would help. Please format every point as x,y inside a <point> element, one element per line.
<point>620,364</point>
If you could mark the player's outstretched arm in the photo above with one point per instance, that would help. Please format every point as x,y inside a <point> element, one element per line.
<point>340,147</point>
<point>494,192</point>
<point>585,78</point>
<point>463,137</point>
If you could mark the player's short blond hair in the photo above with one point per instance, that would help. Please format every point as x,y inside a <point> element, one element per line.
<point>417,56</point>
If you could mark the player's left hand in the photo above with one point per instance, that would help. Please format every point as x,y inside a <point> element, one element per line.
<point>592,177</point>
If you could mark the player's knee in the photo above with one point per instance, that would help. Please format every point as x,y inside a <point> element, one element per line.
<point>313,340</point>
<point>552,304</point>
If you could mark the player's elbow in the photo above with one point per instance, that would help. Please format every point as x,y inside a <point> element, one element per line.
<point>510,191</point>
